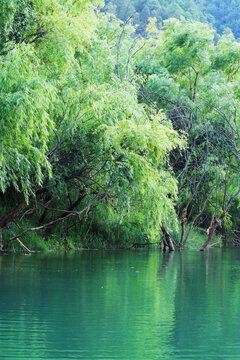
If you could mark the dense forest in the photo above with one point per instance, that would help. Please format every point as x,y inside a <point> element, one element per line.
<point>109,138</point>
<point>221,14</point>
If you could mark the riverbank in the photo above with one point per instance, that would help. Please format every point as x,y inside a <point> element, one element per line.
<point>35,242</point>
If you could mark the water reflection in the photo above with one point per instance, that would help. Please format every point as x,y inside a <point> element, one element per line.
<point>207,306</point>
<point>120,305</point>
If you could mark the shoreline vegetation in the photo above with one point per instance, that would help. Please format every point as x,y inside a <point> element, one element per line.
<point>34,243</point>
<point>117,132</point>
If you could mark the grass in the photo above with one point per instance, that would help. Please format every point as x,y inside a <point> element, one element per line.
<point>97,239</point>
<point>197,237</point>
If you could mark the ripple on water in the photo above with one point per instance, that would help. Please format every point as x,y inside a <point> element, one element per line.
<point>120,305</point>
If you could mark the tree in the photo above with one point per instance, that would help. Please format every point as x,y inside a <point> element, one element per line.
<point>105,154</point>
<point>178,72</point>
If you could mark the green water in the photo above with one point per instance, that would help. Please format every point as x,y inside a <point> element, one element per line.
<point>121,305</point>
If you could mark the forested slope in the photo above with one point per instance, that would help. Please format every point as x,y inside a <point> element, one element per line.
<point>108,139</point>
<point>221,14</point>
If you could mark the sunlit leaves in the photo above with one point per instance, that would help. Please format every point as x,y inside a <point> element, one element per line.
<point>25,125</point>
<point>65,113</point>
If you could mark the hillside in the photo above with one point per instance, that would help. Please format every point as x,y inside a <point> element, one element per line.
<point>221,14</point>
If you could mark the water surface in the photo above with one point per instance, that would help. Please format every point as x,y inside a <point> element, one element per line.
<point>121,305</point>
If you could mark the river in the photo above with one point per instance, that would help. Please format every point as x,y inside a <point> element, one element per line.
<point>120,305</point>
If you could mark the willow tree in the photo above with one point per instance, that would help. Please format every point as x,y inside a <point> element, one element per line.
<point>196,82</point>
<point>77,136</point>
<point>36,56</point>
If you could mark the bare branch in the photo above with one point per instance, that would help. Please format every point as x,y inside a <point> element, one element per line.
<point>53,222</point>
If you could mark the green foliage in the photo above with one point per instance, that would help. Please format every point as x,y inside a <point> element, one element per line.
<point>195,81</point>
<point>224,14</point>
<point>186,45</point>
<point>221,14</point>
<point>227,56</point>
<point>113,126</point>
<point>161,10</point>
<point>71,126</point>
<point>31,73</point>
<point>25,123</point>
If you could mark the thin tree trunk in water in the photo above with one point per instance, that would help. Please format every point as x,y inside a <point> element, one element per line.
<point>211,231</point>
<point>167,238</point>
<point>183,222</point>
<point>164,245</point>
<point>1,244</point>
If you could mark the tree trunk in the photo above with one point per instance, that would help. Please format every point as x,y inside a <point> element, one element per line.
<point>211,231</point>
<point>1,243</point>
<point>195,219</point>
<point>12,214</point>
<point>76,203</point>
<point>183,223</point>
<point>15,212</point>
<point>164,244</point>
<point>44,214</point>
<point>167,239</point>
